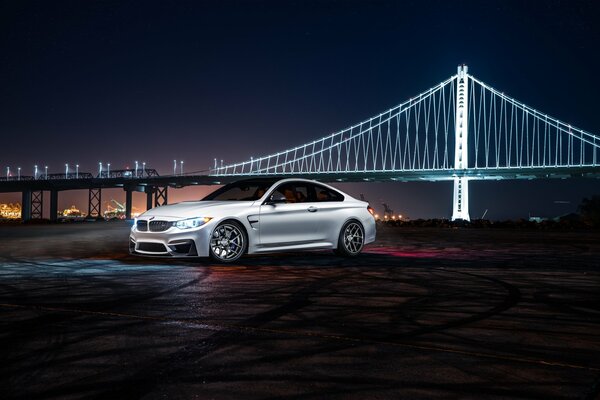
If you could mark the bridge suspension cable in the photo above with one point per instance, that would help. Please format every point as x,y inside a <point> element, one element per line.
<point>384,142</point>
<point>510,134</point>
<point>418,135</point>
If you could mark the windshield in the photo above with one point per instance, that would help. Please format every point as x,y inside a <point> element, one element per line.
<point>241,191</point>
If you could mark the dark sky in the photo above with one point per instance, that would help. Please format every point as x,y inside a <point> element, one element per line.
<point>119,81</point>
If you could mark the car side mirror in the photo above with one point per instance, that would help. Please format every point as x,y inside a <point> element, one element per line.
<point>276,198</point>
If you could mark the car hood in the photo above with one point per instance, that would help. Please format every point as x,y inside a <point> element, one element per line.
<point>190,209</point>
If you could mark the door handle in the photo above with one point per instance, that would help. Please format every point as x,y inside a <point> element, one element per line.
<point>312,209</point>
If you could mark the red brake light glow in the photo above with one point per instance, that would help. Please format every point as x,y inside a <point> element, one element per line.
<point>371,210</point>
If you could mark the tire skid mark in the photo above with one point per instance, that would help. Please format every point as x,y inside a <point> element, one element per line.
<point>260,330</point>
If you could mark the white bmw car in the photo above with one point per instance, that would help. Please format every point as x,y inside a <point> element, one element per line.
<point>256,216</point>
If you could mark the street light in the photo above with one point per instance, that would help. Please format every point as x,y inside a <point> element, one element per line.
<point>143,168</point>
<point>174,167</point>
<point>100,169</point>
<point>66,171</point>
<point>76,171</point>
<point>7,172</point>
<point>136,169</point>
<point>108,170</point>
<point>18,173</point>
<point>181,169</point>
<point>46,171</point>
<point>35,172</point>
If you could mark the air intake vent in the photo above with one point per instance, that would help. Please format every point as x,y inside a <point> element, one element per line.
<point>159,226</point>
<point>152,247</point>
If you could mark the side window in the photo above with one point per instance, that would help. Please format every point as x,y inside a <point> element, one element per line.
<point>302,193</point>
<point>294,192</point>
<point>325,194</point>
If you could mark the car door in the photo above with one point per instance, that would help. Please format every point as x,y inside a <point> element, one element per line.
<point>330,204</point>
<point>292,222</point>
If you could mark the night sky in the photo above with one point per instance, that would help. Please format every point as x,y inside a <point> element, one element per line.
<point>119,81</point>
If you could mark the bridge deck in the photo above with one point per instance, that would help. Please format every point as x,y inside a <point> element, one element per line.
<point>139,184</point>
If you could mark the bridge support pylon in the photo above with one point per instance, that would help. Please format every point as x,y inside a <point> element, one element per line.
<point>53,205</point>
<point>37,204</point>
<point>149,197</point>
<point>461,200</point>
<point>128,203</point>
<point>32,204</point>
<point>461,152</point>
<point>160,196</point>
<point>95,203</point>
<point>26,205</point>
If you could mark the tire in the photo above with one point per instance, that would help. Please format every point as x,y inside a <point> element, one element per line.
<point>351,240</point>
<point>228,242</point>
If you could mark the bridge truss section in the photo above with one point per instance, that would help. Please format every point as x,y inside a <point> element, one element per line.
<point>95,203</point>
<point>37,204</point>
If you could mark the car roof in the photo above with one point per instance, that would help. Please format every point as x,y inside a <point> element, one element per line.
<point>277,179</point>
<point>281,179</point>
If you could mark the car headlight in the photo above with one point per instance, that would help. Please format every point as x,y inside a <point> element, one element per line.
<point>191,222</point>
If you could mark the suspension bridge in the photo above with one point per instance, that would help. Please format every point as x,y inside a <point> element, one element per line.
<point>459,130</point>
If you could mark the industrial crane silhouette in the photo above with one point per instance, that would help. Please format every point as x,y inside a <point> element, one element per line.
<point>388,212</point>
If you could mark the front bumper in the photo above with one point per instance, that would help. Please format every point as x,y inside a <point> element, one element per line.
<point>171,243</point>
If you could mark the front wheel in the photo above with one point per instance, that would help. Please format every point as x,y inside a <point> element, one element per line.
<point>228,242</point>
<point>351,240</point>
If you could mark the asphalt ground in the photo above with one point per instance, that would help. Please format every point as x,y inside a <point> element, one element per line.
<point>423,313</point>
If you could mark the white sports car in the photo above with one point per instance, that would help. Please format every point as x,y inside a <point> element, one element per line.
<point>256,216</point>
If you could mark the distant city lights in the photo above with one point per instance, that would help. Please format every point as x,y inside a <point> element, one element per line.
<point>390,217</point>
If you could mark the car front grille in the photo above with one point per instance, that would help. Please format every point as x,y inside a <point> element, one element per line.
<point>159,226</point>
<point>152,247</point>
<point>142,226</point>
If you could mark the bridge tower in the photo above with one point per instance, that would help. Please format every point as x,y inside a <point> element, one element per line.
<point>461,134</point>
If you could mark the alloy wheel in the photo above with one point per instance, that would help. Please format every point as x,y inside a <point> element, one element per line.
<point>354,238</point>
<point>227,242</point>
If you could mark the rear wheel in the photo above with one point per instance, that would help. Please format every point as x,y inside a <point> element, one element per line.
<point>351,240</point>
<point>228,242</point>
